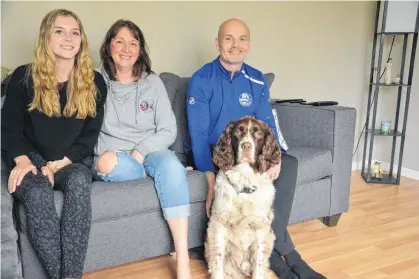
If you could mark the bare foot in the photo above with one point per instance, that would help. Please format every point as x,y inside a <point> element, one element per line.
<point>183,269</point>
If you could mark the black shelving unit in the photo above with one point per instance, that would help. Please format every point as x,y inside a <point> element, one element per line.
<point>374,88</point>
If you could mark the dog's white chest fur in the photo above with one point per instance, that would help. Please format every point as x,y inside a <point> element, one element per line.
<point>240,239</point>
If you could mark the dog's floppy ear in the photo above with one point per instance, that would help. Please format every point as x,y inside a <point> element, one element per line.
<point>271,153</point>
<point>223,155</point>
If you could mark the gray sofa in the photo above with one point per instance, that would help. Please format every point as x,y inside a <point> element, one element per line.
<point>127,223</point>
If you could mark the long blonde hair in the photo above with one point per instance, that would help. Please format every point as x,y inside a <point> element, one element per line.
<point>81,89</point>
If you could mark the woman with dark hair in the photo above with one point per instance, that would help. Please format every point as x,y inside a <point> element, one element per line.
<point>138,128</point>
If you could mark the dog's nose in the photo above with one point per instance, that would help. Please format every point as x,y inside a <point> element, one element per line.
<point>246,145</point>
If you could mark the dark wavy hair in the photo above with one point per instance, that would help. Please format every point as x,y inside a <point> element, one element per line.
<point>143,63</point>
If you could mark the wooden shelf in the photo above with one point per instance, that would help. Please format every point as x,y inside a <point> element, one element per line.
<point>396,33</point>
<point>387,179</point>
<point>391,133</point>
<point>390,85</point>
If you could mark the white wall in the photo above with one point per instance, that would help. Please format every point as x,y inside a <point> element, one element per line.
<point>318,50</point>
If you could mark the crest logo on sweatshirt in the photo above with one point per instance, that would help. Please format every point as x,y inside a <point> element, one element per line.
<point>245,99</point>
<point>191,100</point>
<point>144,106</point>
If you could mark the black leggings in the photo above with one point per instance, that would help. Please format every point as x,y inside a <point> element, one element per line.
<point>61,248</point>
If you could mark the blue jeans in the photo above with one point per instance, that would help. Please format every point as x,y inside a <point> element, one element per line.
<point>169,176</point>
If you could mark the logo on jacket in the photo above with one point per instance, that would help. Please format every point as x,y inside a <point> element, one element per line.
<point>144,106</point>
<point>245,99</point>
<point>191,100</point>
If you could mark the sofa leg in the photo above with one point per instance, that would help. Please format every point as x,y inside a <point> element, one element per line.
<point>331,221</point>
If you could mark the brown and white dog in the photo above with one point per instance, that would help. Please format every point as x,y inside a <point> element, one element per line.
<point>239,237</point>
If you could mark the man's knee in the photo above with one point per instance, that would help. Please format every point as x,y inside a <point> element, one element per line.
<point>106,162</point>
<point>289,163</point>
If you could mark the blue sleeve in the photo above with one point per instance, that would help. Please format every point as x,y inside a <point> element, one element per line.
<point>198,123</point>
<point>264,111</point>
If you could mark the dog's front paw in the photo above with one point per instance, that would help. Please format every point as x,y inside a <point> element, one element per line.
<point>261,275</point>
<point>217,274</point>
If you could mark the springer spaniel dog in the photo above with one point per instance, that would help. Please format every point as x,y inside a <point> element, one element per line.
<point>239,237</point>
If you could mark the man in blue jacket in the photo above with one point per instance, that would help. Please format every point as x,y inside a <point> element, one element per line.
<point>225,90</point>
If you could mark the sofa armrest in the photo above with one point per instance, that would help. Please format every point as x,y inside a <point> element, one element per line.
<point>11,266</point>
<point>329,127</point>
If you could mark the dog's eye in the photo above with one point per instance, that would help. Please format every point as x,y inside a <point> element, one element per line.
<point>239,132</point>
<point>258,135</point>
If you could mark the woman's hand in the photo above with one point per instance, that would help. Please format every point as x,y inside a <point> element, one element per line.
<point>58,164</point>
<point>48,171</point>
<point>211,191</point>
<point>137,156</point>
<point>23,166</point>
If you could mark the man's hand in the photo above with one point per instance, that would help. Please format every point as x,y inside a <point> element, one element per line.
<point>211,191</point>
<point>273,172</point>
<point>49,171</point>
<point>23,166</point>
<point>137,156</point>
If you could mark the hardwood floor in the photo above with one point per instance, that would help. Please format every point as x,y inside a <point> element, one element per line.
<point>377,238</point>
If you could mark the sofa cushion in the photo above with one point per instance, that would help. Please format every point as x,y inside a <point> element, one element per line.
<point>123,199</point>
<point>313,163</point>
<point>177,88</point>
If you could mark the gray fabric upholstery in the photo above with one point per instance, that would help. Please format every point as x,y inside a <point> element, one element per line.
<point>313,163</point>
<point>269,77</point>
<point>311,201</point>
<point>10,260</point>
<point>177,90</point>
<point>127,222</point>
<point>119,200</point>
<point>330,128</point>
<point>123,240</point>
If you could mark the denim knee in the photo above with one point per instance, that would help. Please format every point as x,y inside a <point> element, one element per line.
<point>126,168</point>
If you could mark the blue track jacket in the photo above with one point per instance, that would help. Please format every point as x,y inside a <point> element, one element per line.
<point>214,100</point>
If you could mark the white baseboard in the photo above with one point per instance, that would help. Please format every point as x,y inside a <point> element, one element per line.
<point>413,174</point>
<point>356,166</point>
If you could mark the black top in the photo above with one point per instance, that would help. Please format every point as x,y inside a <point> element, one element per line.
<point>23,131</point>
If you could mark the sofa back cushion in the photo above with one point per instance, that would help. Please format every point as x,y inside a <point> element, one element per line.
<point>177,88</point>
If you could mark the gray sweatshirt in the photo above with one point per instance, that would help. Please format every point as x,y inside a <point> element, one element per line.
<point>137,116</point>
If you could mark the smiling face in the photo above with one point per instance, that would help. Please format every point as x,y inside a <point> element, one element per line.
<point>233,42</point>
<point>65,37</point>
<point>125,49</point>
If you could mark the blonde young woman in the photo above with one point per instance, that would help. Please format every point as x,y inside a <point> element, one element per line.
<point>50,121</point>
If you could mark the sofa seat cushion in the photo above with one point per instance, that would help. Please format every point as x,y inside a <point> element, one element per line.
<point>313,163</point>
<point>122,199</point>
